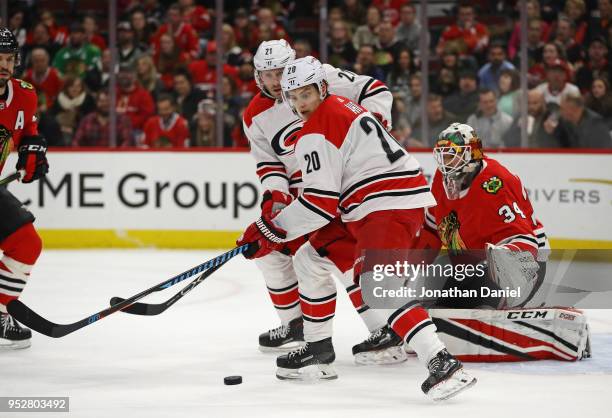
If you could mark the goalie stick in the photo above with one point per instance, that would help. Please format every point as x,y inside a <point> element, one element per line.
<point>26,316</point>
<point>150,309</point>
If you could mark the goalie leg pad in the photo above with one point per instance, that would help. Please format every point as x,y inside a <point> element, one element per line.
<point>480,335</point>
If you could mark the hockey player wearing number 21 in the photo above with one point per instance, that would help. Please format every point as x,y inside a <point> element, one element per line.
<point>271,127</point>
<point>380,194</point>
<point>19,241</point>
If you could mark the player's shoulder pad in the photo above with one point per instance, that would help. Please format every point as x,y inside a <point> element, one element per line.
<point>496,179</point>
<point>258,104</point>
<point>333,119</point>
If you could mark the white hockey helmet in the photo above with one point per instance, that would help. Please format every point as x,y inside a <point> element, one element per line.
<point>271,55</point>
<point>303,72</point>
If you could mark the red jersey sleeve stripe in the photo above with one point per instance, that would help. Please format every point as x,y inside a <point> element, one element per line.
<point>316,209</point>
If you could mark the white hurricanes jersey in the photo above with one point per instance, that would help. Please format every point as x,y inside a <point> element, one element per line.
<point>351,167</point>
<point>271,126</point>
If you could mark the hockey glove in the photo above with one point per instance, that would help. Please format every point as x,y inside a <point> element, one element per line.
<point>264,238</point>
<point>273,202</point>
<point>32,158</point>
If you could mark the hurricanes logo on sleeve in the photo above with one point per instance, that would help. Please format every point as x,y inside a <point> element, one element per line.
<point>284,141</point>
<point>449,232</point>
<point>493,185</point>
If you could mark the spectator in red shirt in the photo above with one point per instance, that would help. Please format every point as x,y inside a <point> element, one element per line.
<point>204,72</point>
<point>242,28</point>
<point>247,86</point>
<point>168,59</point>
<point>92,32</point>
<point>185,37</point>
<point>533,12</point>
<point>551,53</point>
<point>390,9</point>
<point>197,16</point>
<point>167,129</point>
<point>132,99</point>
<point>576,11</point>
<point>94,129</point>
<point>468,36</point>
<point>44,78</point>
<point>59,34</point>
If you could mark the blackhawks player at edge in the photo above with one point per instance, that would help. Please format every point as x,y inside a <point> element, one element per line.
<point>271,128</point>
<point>352,165</point>
<point>19,241</point>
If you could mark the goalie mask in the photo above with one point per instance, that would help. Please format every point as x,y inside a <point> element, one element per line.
<point>271,55</point>
<point>301,73</point>
<point>458,154</point>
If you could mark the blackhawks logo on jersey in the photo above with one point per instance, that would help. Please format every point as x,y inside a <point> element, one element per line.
<point>449,232</point>
<point>493,185</point>
<point>25,85</point>
<point>5,143</point>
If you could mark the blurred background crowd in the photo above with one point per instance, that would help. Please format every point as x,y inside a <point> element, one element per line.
<point>168,95</point>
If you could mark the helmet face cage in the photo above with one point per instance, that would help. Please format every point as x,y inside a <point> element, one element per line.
<point>457,147</point>
<point>452,158</point>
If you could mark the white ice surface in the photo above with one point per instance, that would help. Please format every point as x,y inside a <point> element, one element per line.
<point>172,365</point>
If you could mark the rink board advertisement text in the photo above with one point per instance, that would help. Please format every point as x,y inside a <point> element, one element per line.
<point>204,199</point>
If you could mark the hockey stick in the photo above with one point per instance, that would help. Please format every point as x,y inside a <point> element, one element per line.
<point>23,314</point>
<point>150,309</point>
<point>11,177</point>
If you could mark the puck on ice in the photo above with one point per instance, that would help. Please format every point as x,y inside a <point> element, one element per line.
<point>232,380</point>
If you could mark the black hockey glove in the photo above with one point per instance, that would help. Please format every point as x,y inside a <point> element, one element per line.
<point>32,158</point>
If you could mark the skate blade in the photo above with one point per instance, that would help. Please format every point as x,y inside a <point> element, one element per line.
<point>457,383</point>
<point>391,355</point>
<point>14,345</point>
<point>291,346</point>
<point>311,373</point>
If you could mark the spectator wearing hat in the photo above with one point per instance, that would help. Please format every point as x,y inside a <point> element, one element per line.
<point>44,78</point>
<point>467,36</point>
<point>92,32</point>
<point>184,35</point>
<point>94,129</point>
<point>187,97</point>
<point>490,72</point>
<point>167,129</point>
<point>78,56</point>
<point>409,30</point>
<point>597,65</point>
<point>465,101</point>
<point>132,99</point>
<point>580,127</point>
<point>128,50</point>
<point>556,84</point>
<point>489,121</point>
<point>204,71</point>
<point>168,59</point>
<point>196,15</point>
<point>599,100</point>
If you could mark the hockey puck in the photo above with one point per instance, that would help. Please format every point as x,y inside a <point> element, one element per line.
<point>232,380</point>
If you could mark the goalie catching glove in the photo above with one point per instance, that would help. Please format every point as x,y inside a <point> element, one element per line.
<point>263,236</point>
<point>32,158</point>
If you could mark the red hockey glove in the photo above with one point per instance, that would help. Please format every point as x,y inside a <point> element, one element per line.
<point>32,158</point>
<point>273,202</point>
<point>264,238</point>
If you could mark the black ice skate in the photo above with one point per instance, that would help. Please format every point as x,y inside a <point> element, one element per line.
<point>313,361</point>
<point>383,346</point>
<point>284,338</point>
<point>12,335</point>
<point>446,377</point>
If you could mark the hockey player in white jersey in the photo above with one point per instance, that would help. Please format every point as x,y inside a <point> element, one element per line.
<point>353,167</point>
<point>271,128</point>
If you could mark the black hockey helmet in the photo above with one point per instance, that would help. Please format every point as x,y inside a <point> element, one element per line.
<point>9,44</point>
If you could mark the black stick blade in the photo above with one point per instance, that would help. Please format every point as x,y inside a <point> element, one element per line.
<point>138,308</point>
<point>31,319</point>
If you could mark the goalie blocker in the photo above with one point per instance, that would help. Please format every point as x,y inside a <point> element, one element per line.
<point>483,335</point>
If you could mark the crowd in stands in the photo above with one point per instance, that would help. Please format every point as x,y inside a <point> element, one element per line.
<point>167,53</point>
